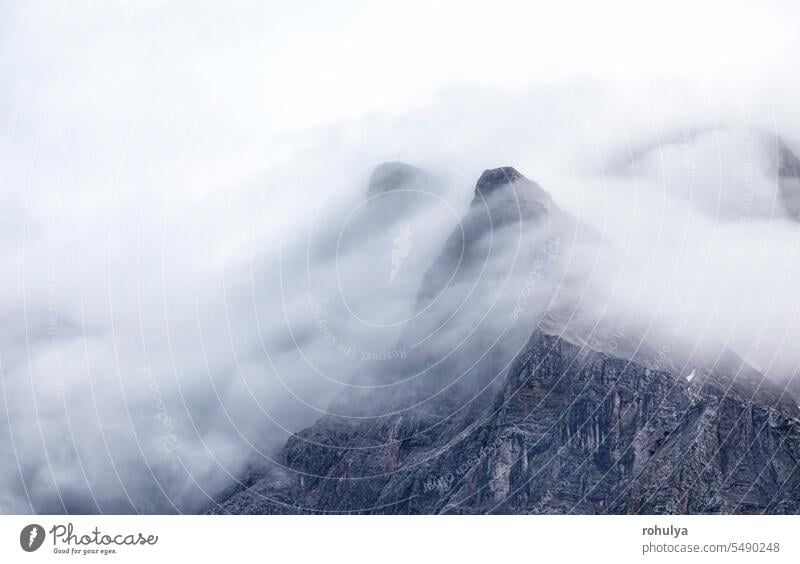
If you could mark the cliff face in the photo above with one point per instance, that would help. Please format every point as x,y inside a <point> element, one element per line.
<point>577,431</point>
<point>514,423</point>
<point>571,431</point>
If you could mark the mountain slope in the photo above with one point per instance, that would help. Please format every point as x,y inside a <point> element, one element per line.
<point>509,422</point>
<point>572,431</point>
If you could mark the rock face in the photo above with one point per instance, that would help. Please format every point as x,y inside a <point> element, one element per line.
<point>788,177</point>
<point>504,206</point>
<point>572,431</point>
<point>577,431</point>
<point>543,423</point>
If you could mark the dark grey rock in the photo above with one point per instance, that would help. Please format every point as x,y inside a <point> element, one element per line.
<point>547,423</point>
<point>571,431</point>
<point>788,177</point>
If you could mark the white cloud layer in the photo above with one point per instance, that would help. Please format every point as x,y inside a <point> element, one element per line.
<point>162,162</point>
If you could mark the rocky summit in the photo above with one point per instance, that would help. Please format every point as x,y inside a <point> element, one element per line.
<point>542,421</point>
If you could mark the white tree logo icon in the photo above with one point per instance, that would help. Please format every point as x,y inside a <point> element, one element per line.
<point>31,537</point>
<point>402,246</point>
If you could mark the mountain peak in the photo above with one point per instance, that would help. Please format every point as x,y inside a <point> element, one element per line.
<point>509,184</point>
<point>495,178</point>
<point>397,175</point>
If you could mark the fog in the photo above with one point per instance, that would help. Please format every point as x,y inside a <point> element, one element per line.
<point>194,269</point>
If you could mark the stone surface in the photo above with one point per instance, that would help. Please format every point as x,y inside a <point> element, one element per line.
<point>541,423</point>
<point>571,431</point>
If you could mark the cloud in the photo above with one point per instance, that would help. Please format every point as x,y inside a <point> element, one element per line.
<point>174,176</point>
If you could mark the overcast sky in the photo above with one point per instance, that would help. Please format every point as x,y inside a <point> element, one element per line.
<point>158,159</point>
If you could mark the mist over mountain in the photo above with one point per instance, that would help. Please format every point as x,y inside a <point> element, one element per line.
<point>309,257</point>
<point>763,184</point>
<point>537,405</point>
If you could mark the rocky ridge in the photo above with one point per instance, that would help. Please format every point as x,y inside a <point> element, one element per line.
<point>539,423</point>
